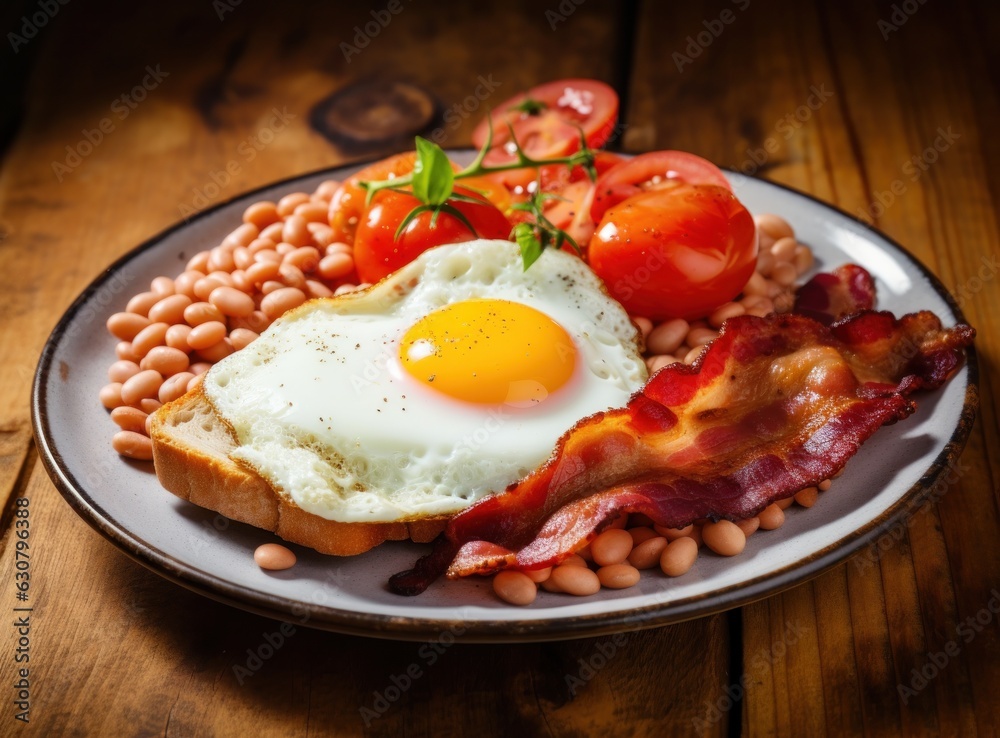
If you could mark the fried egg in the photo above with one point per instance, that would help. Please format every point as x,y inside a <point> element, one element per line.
<point>448,380</point>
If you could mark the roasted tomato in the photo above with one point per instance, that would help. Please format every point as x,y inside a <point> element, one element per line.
<point>547,121</point>
<point>655,170</point>
<point>675,253</point>
<point>376,250</point>
<point>575,193</point>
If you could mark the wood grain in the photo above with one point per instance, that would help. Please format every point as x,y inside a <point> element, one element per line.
<point>871,622</point>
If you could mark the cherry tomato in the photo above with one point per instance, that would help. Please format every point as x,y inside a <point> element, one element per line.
<point>348,202</point>
<point>675,253</point>
<point>551,128</point>
<point>376,250</point>
<point>571,212</point>
<point>655,170</point>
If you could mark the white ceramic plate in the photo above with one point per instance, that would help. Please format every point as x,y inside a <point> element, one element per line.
<point>211,555</point>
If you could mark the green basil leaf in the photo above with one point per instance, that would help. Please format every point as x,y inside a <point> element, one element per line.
<point>433,178</point>
<point>531,247</point>
<point>409,217</point>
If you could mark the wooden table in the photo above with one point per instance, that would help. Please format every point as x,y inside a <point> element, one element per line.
<point>116,650</point>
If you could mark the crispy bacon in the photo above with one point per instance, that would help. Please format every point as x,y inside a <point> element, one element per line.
<point>774,405</point>
<point>830,296</point>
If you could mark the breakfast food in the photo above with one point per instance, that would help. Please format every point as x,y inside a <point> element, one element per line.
<point>384,412</point>
<point>415,397</point>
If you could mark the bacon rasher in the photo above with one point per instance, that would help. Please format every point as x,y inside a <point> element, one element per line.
<point>774,405</point>
<point>828,296</point>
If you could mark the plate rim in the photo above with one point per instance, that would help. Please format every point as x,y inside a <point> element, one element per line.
<point>409,628</point>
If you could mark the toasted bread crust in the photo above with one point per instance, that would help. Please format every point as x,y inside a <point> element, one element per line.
<point>190,457</point>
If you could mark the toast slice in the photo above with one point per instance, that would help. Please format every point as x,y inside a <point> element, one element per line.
<point>191,447</point>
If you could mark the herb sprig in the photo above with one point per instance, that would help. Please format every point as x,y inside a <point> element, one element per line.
<point>433,180</point>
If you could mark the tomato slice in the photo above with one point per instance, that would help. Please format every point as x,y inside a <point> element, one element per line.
<point>653,171</point>
<point>675,253</point>
<point>551,127</point>
<point>377,252</point>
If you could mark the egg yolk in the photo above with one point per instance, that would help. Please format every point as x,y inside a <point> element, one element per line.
<point>489,351</point>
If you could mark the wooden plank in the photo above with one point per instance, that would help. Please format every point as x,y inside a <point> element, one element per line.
<point>871,624</point>
<point>105,629</point>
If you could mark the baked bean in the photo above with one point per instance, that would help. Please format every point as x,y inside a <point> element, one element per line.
<point>141,303</point>
<point>133,445</point>
<point>274,557</point>
<point>691,356</point>
<point>242,282</point>
<point>539,575</point>
<point>701,336</point>
<point>261,214</point>
<point>695,535</point>
<point>202,312</point>
<point>262,271</point>
<point>765,262</point>
<point>292,276</point>
<point>576,580</point>
<point>807,497</point>
<point>122,370</point>
<point>261,244</point>
<point>322,234</point>
<point>165,360</point>
<point>278,302</point>
<point>111,395</point>
<point>273,231</point>
<point>344,289</point>
<point>645,325</point>
<point>313,212</point>
<point>749,526</point>
<point>195,382</point>
<point>514,588</point>
<point>295,231</point>
<point>784,274</point>
<point>216,352</point>
<point>256,321</point>
<point>585,554</point>
<point>771,517</point>
<point>271,285</point>
<point>724,313</point>
<point>143,385</point>
<point>150,404</point>
<point>287,204</point>
<point>126,326</point>
<point>773,226</point>
<point>618,576</point>
<point>204,287</point>
<point>672,534</point>
<point>611,547</point>
<point>169,310</point>
<point>327,188</point>
<point>149,337</point>
<point>756,285</point>
<point>655,363</point>
<point>318,289</point>
<point>268,255</point>
<point>173,387</point>
<point>574,560</point>
<point>206,334</point>
<point>231,301</point>
<point>177,336</point>
<point>200,367</point>
<point>784,503</point>
<point>825,485</point>
<point>678,557</point>
<point>549,586</point>
<point>647,554</point>
<point>803,259</point>
<point>198,262</point>
<point>305,258</point>
<point>338,247</point>
<point>724,537</point>
<point>242,257</point>
<point>162,286</point>
<point>242,235</point>
<point>129,418</point>
<point>336,265</point>
<point>125,352</point>
<point>784,250</point>
<point>242,337</point>
<point>221,260</point>
<point>667,337</point>
<point>641,533</point>
<point>149,426</point>
<point>184,284</point>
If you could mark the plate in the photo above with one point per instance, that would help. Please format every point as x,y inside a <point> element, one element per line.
<point>211,555</point>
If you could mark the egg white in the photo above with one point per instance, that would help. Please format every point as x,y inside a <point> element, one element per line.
<point>323,409</point>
